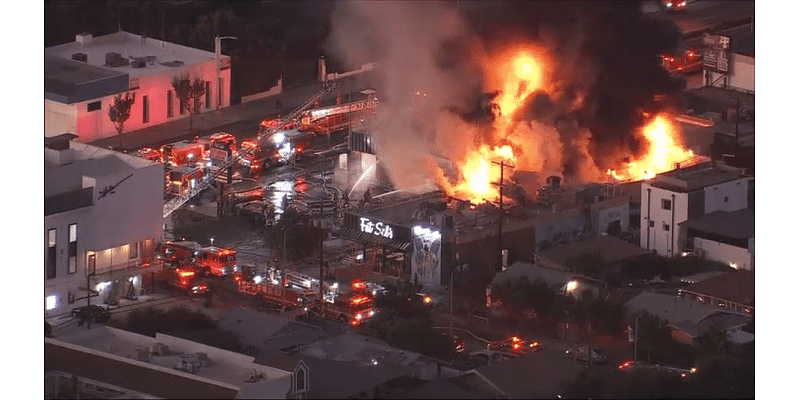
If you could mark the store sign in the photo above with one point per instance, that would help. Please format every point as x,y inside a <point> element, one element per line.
<point>376,228</point>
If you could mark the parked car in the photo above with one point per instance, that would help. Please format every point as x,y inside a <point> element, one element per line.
<point>514,345</point>
<point>459,346</point>
<point>92,313</point>
<point>582,354</point>
<point>489,357</point>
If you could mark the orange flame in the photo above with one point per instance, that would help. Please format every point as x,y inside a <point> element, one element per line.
<point>664,152</point>
<point>518,74</point>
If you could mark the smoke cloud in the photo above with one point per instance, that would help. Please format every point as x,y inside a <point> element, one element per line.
<point>603,72</point>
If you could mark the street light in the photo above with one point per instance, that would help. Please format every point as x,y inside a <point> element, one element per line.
<point>217,56</point>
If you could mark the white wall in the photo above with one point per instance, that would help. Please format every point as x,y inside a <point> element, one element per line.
<point>728,196</point>
<point>660,240</point>
<point>134,213</point>
<point>725,253</point>
<point>59,118</point>
<point>619,213</point>
<point>741,76</point>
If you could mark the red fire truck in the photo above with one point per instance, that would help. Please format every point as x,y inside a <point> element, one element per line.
<point>689,62</point>
<point>184,178</point>
<point>184,280</point>
<point>219,145</point>
<point>354,308</point>
<point>326,120</point>
<point>178,254</point>
<point>183,153</point>
<point>268,292</point>
<point>150,154</point>
<point>216,261</point>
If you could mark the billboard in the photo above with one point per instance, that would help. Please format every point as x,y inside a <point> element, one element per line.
<point>715,56</point>
<point>426,259</point>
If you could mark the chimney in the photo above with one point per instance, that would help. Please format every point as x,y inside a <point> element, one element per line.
<point>84,39</point>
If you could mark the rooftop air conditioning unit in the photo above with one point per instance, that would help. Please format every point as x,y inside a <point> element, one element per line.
<point>115,60</point>
<point>82,57</point>
<point>138,64</point>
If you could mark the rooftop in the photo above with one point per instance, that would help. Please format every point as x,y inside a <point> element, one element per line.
<point>737,224</point>
<point>696,177</point>
<point>672,308</point>
<point>612,249</point>
<point>738,286</point>
<point>69,81</point>
<point>219,367</point>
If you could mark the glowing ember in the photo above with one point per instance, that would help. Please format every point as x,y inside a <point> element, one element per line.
<point>662,155</point>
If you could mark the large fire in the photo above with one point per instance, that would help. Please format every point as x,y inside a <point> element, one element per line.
<point>518,74</point>
<point>663,151</point>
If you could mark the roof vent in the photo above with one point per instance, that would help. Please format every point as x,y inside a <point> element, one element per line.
<point>138,64</point>
<point>82,57</point>
<point>115,60</point>
<point>84,39</point>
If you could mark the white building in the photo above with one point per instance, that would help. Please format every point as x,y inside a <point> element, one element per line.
<point>679,195</point>
<point>727,237</point>
<point>741,75</point>
<point>103,215</point>
<point>82,78</point>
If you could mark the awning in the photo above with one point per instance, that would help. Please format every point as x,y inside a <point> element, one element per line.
<point>363,237</point>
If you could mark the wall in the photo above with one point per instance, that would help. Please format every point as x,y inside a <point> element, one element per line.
<point>727,196</point>
<point>91,126</point>
<point>656,238</point>
<point>364,68</point>
<point>725,253</point>
<point>742,75</point>
<point>606,215</point>
<point>137,205</point>
<point>275,90</point>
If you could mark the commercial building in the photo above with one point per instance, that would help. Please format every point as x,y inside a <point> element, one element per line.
<point>727,237</point>
<point>735,290</point>
<point>165,366</point>
<point>683,194</point>
<point>102,219</point>
<point>83,77</point>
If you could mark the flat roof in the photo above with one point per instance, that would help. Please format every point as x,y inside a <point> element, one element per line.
<point>162,56</point>
<point>69,81</point>
<point>736,225</point>
<point>696,177</point>
<point>612,249</point>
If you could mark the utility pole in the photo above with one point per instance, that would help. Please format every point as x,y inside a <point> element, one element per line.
<point>452,288</point>
<point>321,245</point>
<point>503,166</point>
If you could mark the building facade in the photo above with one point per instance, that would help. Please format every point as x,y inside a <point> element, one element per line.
<point>83,77</point>
<point>103,217</point>
<point>679,195</point>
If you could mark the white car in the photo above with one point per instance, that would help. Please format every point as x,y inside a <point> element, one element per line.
<point>582,354</point>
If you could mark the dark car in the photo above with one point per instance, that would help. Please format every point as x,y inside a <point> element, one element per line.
<point>459,346</point>
<point>92,313</point>
<point>514,345</point>
<point>582,354</point>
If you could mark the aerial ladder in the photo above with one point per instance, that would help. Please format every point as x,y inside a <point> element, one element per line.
<point>176,202</point>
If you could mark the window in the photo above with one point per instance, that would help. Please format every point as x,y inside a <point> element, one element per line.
<point>50,267</point>
<point>665,227</point>
<point>71,296</point>
<point>145,109</point>
<point>134,250</point>
<point>94,106</point>
<point>208,94</point>
<point>726,199</point>
<point>91,264</point>
<point>666,204</point>
<point>73,249</point>
<point>652,224</point>
<point>170,111</point>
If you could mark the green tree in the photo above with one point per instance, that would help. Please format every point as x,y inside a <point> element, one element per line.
<point>654,333</point>
<point>298,235</point>
<point>120,110</point>
<point>714,340</point>
<point>190,92</point>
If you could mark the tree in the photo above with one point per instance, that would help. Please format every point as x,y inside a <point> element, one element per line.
<point>589,263</point>
<point>714,340</point>
<point>298,235</point>
<point>120,111</point>
<point>654,333</point>
<point>190,92</point>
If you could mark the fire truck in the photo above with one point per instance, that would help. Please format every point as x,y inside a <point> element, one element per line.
<point>184,279</point>
<point>353,308</point>
<point>184,178</point>
<point>183,153</point>
<point>178,254</point>
<point>326,120</point>
<point>216,261</point>
<point>689,62</point>
<point>269,292</point>
<point>151,154</point>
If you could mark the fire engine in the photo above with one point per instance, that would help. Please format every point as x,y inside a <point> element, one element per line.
<point>691,61</point>
<point>354,308</point>
<point>178,254</point>
<point>185,178</point>
<point>216,261</point>
<point>151,154</point>
<point>184,279</point>
<point>269,292</point>
<point>183,153</point>
<point>326,120</point>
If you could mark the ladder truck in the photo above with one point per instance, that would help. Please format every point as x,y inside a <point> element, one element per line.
<point>263,139</point>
